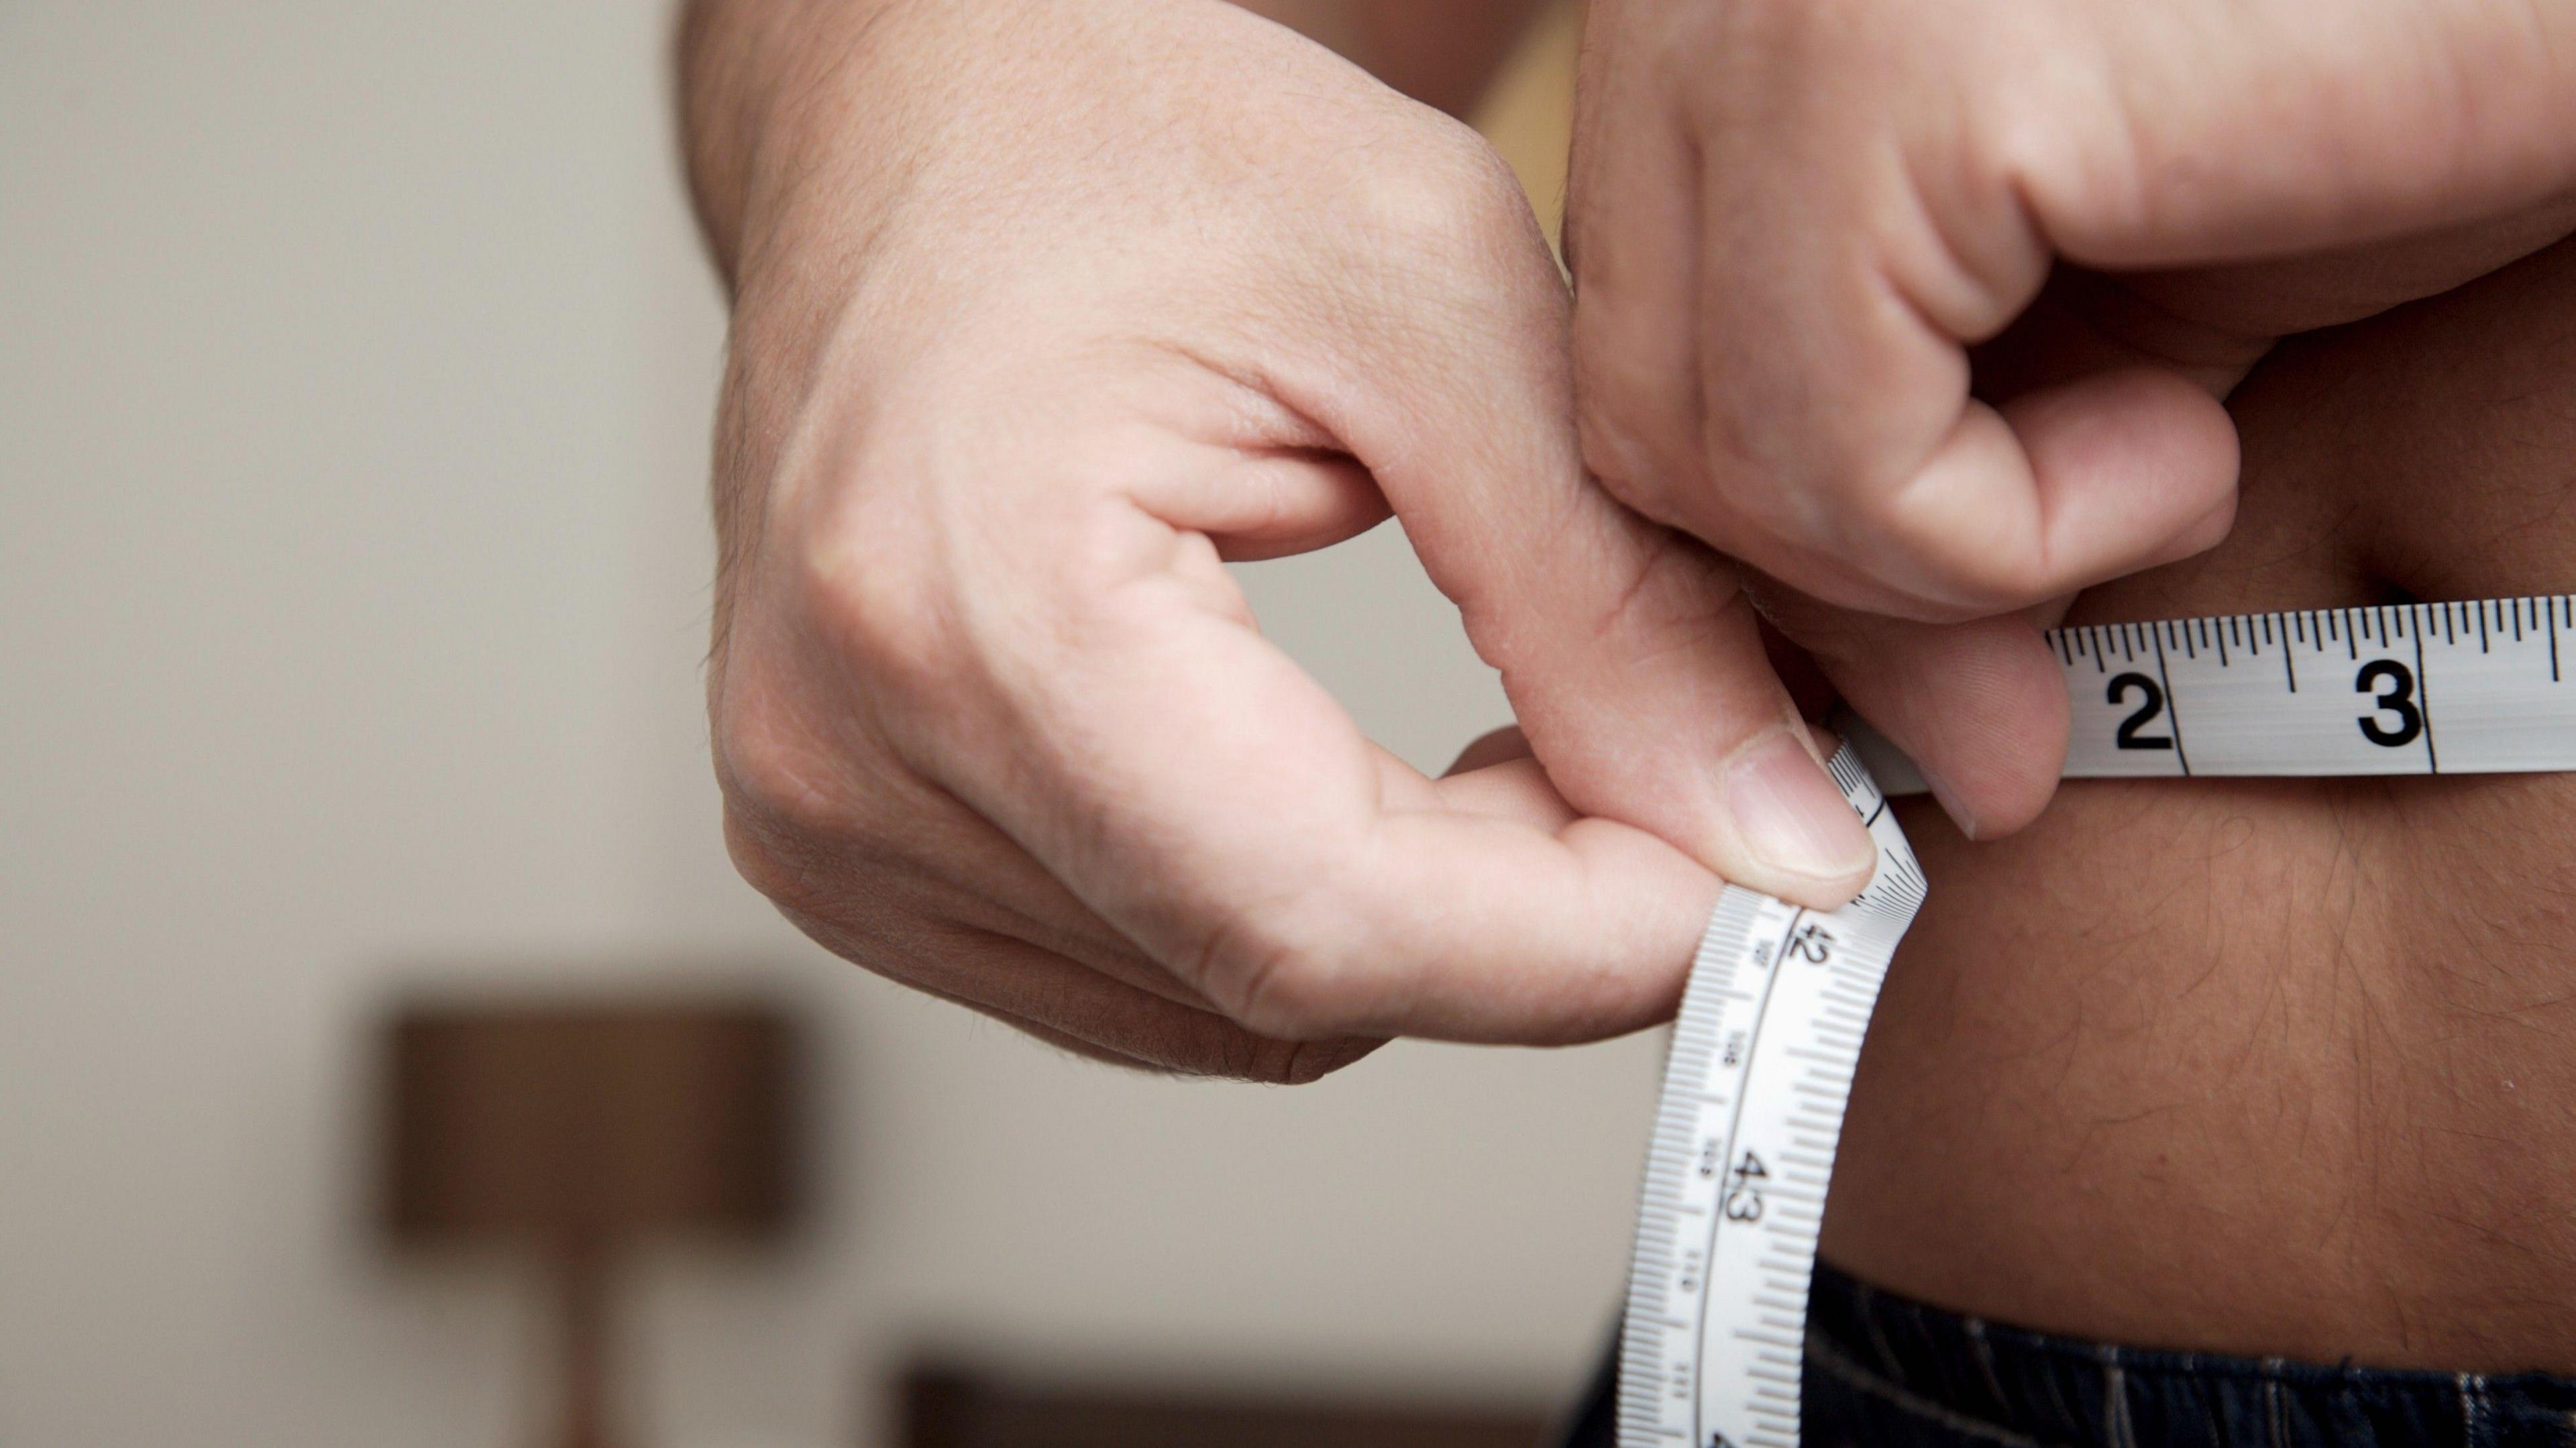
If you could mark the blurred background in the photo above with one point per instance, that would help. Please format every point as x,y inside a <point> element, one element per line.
<point>356,362</point>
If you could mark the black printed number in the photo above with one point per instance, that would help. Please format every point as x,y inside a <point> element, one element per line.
<point>2129,737</point>
<point>1813,944</point>
<point>1743,1202</point>
<point>2392,688</point>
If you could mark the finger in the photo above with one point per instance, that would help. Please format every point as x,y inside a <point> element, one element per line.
<point>1499,778</point>
<point>1631,240</point>
<point>1067,1004</point>
<point>1299,502</point>
<point>2277,296</point>
<point>1851,461</point>
<point>2086,323</point>
<point>1129,727</point>
<point>1840,449</point>
<point>1010,896</point>
<point>1197,790</point>
<point>915,853</point>
<point>1980,707</point>
<point>1062,1003</point>
<point>2238,138</point>
<point>2064,487</point>
<point>1495,746</point>
<point>1234,1053</point>
<point>1630,654</point>
<point>1273,483</point>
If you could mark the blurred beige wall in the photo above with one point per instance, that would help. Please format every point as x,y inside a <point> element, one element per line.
<point>354,367</point>
<point>1529,111</point>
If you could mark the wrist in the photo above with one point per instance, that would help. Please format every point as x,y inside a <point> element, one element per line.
<point>782,96</point>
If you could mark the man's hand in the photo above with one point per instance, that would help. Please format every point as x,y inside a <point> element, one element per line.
<point>1045,308</point>
<point>1793,221</point>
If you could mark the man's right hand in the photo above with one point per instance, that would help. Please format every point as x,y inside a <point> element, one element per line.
<point>1045,308</point>
<point>1927,310</point>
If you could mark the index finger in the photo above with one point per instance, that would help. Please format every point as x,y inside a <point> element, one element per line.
<point>1206,796</point>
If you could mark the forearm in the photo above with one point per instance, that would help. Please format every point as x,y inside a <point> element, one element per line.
<point>735,61</point>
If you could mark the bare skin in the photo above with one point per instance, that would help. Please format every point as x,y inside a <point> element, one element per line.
<point>2269,1067</point>
<point>1794,226</point>
<point>2272,1066</point>
<point>1043,310</point>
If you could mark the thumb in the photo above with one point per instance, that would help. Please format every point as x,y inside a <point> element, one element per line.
<point>1635,665</point>
<point>1980,707</point>
<point>1631,654</point>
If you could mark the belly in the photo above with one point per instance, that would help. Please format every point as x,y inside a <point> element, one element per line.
<point>2272,1066</point>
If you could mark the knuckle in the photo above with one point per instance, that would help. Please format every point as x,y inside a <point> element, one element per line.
<point>1216,1048</point>
<point>1638,432</point>
<point>1465,198</point>
<point>775,772</point>
<point>1677,597</point>
<point>1276,990</point>
<point>803,876</point>
<point>1612,424</point>
<point>1490,200</point>
<point>1280,973</point>
<point>765,865</point>
<point>1930,547</point>
<point>1274,1062</point>
<point>1955,589</point>
<point>1617,457</point>
<point>2069,143</point>
<point>873,600</point>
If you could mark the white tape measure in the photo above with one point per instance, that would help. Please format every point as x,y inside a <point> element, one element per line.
<point>1779,997</point>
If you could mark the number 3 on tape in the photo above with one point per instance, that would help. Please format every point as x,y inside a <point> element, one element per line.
<point>1770,1028</point>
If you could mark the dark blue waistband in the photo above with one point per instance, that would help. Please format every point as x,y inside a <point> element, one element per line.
<point>1884,1371</point>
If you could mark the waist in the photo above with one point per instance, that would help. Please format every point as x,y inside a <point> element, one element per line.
<point>2250,1067</point>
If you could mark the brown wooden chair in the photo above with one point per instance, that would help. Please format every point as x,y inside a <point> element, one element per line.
<point>947,1405</point>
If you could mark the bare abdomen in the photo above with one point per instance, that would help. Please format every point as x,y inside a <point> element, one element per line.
<point>2272,1066</point>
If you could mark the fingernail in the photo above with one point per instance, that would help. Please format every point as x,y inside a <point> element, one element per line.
<point>1949,802</point>
<point>1791,816</point>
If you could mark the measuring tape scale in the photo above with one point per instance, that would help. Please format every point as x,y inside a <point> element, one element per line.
<point>1771,1023</point>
